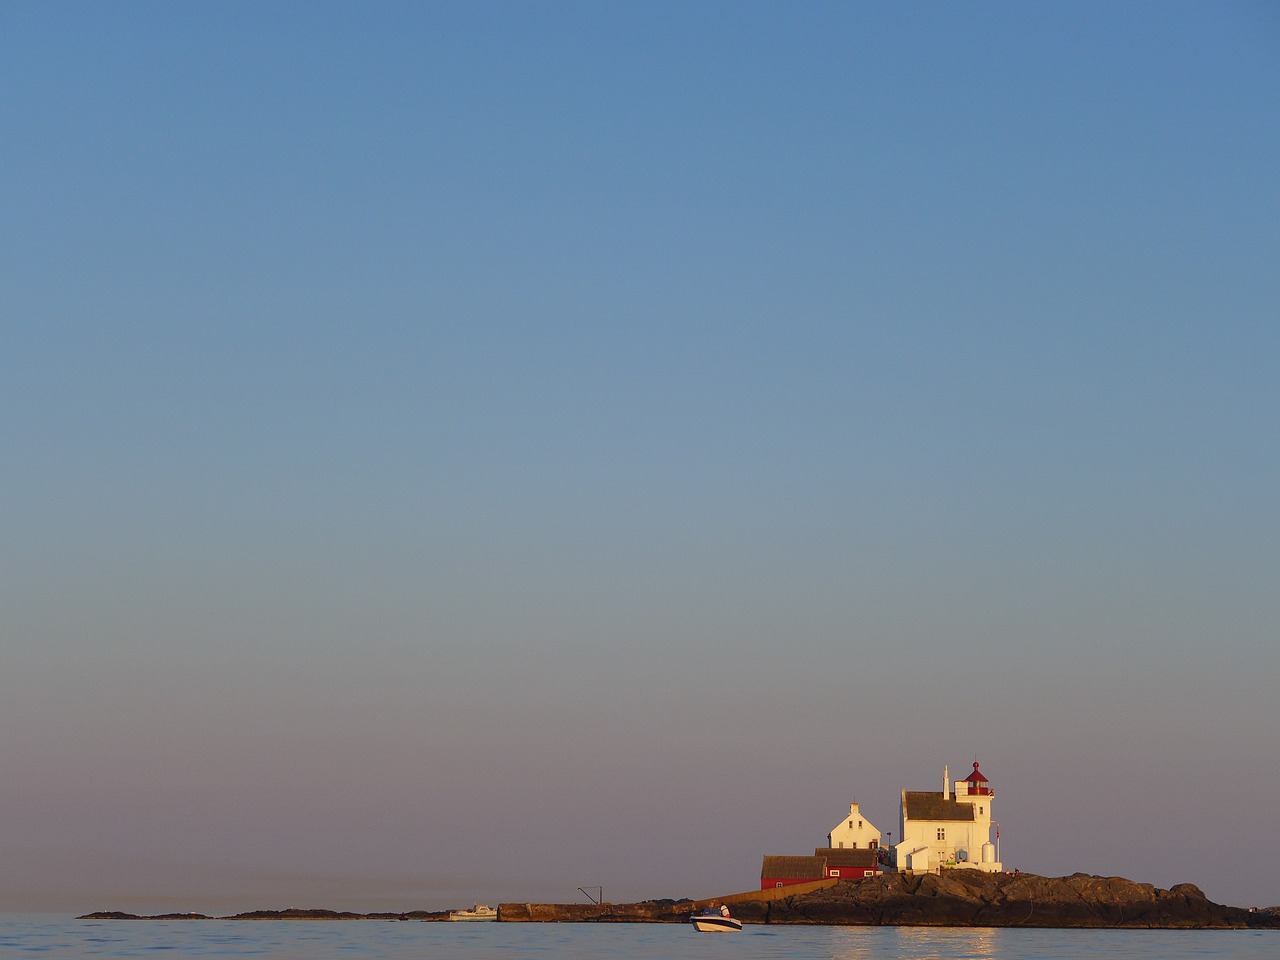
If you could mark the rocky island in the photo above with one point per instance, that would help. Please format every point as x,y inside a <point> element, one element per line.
<point>952,898</point>
<point>968,898</point>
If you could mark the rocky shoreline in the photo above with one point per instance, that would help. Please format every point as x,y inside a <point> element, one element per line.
<point>954,898</point>
<point>291,914</point>
<point>968,898</point>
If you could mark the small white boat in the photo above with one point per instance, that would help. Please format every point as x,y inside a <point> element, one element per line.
<point>480,911</point>
<point>715,920</point>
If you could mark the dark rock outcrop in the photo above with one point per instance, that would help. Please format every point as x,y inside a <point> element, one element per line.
<point>968,898</point>
<point>955,898</point>
<point>111,915</point>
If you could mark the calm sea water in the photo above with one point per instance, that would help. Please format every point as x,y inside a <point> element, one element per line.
<point>376,940</point>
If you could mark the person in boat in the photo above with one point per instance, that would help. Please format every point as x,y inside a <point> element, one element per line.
<point>724,909</point>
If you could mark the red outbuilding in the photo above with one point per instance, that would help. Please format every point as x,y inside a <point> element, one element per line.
<point>784,871</point>
<point>846,864</point>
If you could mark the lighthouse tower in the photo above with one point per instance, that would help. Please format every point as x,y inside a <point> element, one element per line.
<point>975,789</point>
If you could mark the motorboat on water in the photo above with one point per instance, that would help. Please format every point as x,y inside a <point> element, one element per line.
<point>480,911</point>
<point>715,920</point>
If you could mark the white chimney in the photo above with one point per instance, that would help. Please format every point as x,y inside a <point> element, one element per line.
<point>946,783</point>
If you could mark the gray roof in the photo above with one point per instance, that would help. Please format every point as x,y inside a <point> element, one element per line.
<point>842,857</point>
<point>794,868</point>
<point>929,805</point>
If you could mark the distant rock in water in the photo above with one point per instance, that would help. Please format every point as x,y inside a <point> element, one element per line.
<point>295,914</point>
<point>290,914</point>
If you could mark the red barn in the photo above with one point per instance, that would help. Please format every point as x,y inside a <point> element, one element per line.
<point>784,871</point>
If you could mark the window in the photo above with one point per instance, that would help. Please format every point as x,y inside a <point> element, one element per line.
<point>850,824</point>
<point>980,811</point>
<point>859,824</point>
<point>833,873</point>
<point>868,873</point>
<point>942,833</point>
<point>778,884</point>
<point>841,844</point>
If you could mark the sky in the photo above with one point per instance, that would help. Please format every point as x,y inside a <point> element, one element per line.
<point>466,452</point>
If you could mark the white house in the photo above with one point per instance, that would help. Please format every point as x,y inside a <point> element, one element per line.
<point>948,829</point>
<point>854,832</point>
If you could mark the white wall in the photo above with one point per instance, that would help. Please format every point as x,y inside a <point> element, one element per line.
<point>854,832</point>
<point>959,835</point>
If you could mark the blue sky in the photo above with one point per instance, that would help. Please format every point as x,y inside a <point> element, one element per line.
<point>429,429</point>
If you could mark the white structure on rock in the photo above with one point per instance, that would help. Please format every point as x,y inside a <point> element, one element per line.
<point>946,829</point>
<point>854,832</point>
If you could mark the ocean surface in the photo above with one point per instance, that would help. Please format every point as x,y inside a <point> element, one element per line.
<point>66,939</point>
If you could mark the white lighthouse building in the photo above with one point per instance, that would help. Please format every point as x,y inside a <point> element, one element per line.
<point>948,829</point>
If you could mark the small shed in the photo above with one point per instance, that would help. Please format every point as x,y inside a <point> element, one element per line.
<point>846,864</point>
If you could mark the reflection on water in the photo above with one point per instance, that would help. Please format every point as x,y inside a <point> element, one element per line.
<point>986,943</point>
<point>950,943</point>
<point>918,943</point>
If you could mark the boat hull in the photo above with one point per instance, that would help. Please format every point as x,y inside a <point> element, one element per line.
<point>715,924</point>
<point>479,912</point>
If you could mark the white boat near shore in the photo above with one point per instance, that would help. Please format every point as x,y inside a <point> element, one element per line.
<point>715,920</point>
<point>480,911</point>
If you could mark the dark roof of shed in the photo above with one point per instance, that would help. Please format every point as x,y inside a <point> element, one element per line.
<point>842,857</point>
<point>794,868</point>
<point>929,805</point>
